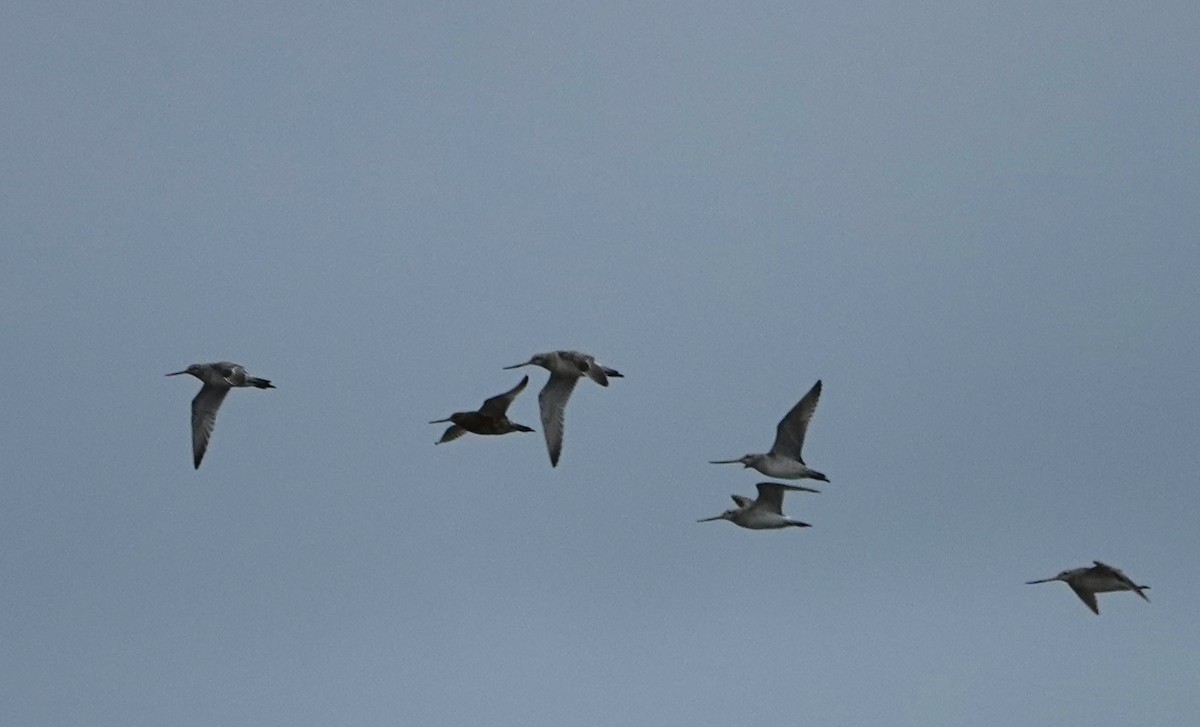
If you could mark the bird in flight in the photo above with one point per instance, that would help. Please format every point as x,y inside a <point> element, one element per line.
<point>784,459</point>
<point>1100,578</point>
<point>218,378</point>
<point>565,367</point>
<point>491,418</point>
<point>765,513</point>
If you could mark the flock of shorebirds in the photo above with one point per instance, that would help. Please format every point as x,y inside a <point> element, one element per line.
<point>783,461</point>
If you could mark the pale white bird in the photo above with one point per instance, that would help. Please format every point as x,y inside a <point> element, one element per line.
<point>218,378</point>
<point>784,459</point>
<point>765,513</point>
<point>565,367</point>
<point>1100,578</point>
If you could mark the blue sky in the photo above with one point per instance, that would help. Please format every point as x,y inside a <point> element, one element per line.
<point>976,224</point>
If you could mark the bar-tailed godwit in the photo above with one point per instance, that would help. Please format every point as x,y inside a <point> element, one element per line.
<point>218,378</point>
<point>784,458</point>
<point>565,367</point>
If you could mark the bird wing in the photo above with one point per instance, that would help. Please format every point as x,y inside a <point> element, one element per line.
<point>596,372</point>
<point>1124,579</point>
<point>742,502</point>
<point>498,405</point>
<point>770,496</point>
<point>552,400</point>
<point>452,432</point>
<point>586,365</point>
<point>1087,597</point>
<point>234,374</point>
<point>789,435</point>
<point>204,417</point>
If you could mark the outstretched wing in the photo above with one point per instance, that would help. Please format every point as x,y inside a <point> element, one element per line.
<point>1087,597</point>
<point>204,418</point>
<point>742,502</point>
<point>789,435</point>
<point>596,372</point>
<point>452,432</point>
<point>498,405</point>
<point>1124,579</point>
<point>552,401</point>
<point>770,495</point>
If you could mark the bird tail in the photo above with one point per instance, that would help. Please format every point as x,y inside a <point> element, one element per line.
<point>260,383</point>
<point>798,524</point>
<point>612,372</point>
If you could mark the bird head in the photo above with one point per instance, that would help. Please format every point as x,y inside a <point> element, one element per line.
<point>456,417</point>
<point>536,360</point>
<point>194,370</point>
<point>745,460</point>
<point>1060,577</point>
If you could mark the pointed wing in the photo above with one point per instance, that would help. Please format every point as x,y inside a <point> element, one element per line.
<point>452,432</point>
<point>204,418</point>
<point>237,375</point>
<point>789,435</point>
<point>770,496</point>
<point>552,401</point>
<point>596,372</point>
<point>586,366</point>
<point>743,502</point>
<point>498,405</point>
<point>1122,578</point>
<point>1087,597</point>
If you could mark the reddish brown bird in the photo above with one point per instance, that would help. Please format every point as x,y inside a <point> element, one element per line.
<point>492,417</point>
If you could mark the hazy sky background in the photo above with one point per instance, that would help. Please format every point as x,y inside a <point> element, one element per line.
<point>977,223</point>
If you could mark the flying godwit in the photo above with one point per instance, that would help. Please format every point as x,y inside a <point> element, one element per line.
<point>765,513</point>
<point>490,419</point>
<point>565,368</point>
<point>218,379</point>
<point>784,458</point>
<point>1100,578</point>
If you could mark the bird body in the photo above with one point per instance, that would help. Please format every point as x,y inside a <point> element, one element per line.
<point>566,368</point>
<point>784,460</point>
<point>218,378</point>
<point>765,513</point>
<point>490,419</point>
<point>1099,578</point>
